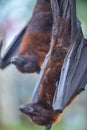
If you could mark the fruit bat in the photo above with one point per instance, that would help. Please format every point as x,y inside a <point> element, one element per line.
<point>40,110</point>
<point>54,91</point>
<point>35,42</point>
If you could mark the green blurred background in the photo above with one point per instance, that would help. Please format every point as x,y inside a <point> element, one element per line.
<point>17,88</point>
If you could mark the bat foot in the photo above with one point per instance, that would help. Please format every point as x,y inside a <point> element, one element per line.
<point>48,127</point>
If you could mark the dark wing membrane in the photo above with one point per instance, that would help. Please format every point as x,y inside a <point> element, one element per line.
<point>37,87</point>
<point>74,71</point>
<point>12,49</point>
<point>73,76</point>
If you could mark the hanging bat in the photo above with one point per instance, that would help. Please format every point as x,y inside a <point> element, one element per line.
<point>35,42</point>
<point>41,109</point>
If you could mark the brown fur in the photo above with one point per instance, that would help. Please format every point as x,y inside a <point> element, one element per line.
<point>36,40</point>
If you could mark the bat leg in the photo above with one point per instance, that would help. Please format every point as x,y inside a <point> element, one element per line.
<point>48,127</point>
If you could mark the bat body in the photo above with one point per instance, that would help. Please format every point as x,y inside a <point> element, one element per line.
<point>36,40</point>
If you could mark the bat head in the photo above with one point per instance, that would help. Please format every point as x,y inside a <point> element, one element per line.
<point>39,114</point>
<point>26,64</point>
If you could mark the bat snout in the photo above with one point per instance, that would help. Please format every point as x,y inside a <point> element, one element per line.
<point>18,60</point>
<point>26,109</point>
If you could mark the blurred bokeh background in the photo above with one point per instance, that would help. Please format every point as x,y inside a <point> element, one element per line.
<point>16,88</point>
